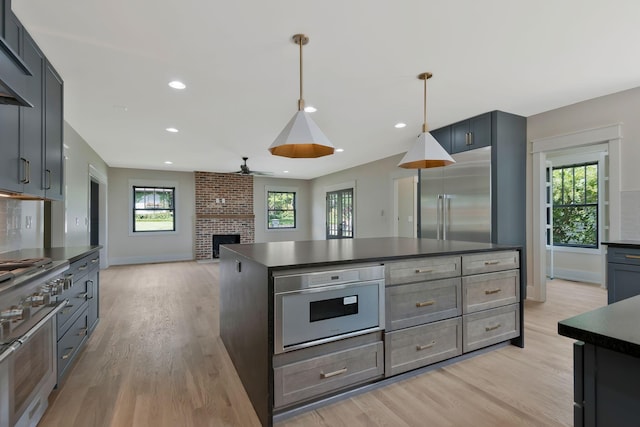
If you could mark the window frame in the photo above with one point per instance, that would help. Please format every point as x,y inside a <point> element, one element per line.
<point>597,204</point>
<point>152,184</point>
<point>294,191</point>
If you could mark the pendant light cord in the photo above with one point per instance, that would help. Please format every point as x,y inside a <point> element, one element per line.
<point>301,100</point>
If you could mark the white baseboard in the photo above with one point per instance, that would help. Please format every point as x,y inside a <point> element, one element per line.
<point>149,259</point>
<point>576,275</point>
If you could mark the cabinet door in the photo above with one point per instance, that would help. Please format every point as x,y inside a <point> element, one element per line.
<point>480,130</point>
<point>460,137</point>
<point>53,173</point>
<point>443,136</point>
<point>93,292</point>
<point>31,118</point>
<point>10,170</point>
<point>623,281</point>
<point>12,28</point>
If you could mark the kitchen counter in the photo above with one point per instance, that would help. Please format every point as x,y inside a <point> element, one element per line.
<point>606,364</point>
<point>615,327</point>
<point>341,251</point>
<point>71,254</point>
<point>623,243</point>
<point>248,306</point>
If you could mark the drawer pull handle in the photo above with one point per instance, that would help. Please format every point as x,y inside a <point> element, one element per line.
<point>83,267</point>
<point>492,328</point>
<point>93,261</point>
<point>83,332</point>
<point>333,374</point>
<point>82,296</point>
<point>425,303</point>
<point>492,291</point>
<point>632,256</point>
<point>426,346</point>
<point>426,270</point>
<point>67,354</point>
<point>491,262</point>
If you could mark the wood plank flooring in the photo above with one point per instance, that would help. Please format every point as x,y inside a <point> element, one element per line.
<point>156,359</point>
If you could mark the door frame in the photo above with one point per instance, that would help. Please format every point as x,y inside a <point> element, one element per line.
<point>610,135</point>
<point>396,204</point>
<point>99,177</point>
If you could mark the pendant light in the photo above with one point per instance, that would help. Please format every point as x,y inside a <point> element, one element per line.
<point>301,137</point>
<point>427,151</point>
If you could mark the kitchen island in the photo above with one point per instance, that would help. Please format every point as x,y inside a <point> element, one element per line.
<point>438,301</point>
<point>606,364</point>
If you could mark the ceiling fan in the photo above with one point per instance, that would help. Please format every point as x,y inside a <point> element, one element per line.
<point>244,169</point>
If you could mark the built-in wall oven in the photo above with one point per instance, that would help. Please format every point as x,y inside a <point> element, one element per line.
<point>28,366</point>
<point>317,306</point>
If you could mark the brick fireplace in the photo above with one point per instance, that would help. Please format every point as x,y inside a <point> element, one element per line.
<point>224,205</point>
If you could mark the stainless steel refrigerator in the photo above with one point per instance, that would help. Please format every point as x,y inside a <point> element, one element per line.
<point>455,200</point>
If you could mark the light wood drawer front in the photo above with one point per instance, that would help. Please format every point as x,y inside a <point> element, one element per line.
<point>490,327</point>
<point>418,303</point>
<point>422,269</point>
<point>484,291</point>
<point>324,374</point>
<point>419,346</point>
<point>488,262</point>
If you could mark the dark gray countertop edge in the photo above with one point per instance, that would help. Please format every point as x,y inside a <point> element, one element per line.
<point>623,243</point>
<point>615,327</point>
<point>70,253</point>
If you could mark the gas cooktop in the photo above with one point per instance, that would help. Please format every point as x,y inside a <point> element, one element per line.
<point>12,268</point>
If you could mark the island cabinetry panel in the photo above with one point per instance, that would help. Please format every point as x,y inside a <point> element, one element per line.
<point>491,290</point>
<point>623,273</point>
<point>418,303</point>
<point>422,345</point>
<point>491,298</point>
<point>327,368</point>
<point>422,269</point>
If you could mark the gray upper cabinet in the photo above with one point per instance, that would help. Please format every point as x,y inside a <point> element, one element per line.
<point>471,133</point>
<point>443,136</point>
<point>31,153</point>
<point>31,119</point>
<point>53,173</point>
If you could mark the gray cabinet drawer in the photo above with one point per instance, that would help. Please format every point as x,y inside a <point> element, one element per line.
<point>324,374</point>
<point>484,291</point>
<point>423,345</point>
<point>422,269</point>
<point>417,303</point>
<point>71,342</point>
<point>488,262</point>
<point>77,296</point>
<point>624,255</point>
<point>490,327</point>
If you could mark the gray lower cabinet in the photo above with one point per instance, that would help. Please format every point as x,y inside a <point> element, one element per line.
<point>623,273</point>
<point>323,369</point>
<point>77,320</point>
<point>489,327</point>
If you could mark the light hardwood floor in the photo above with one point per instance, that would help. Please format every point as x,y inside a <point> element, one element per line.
<point>156,359</point>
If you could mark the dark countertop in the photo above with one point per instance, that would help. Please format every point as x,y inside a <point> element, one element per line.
<point>623,243</point>
<point>615,327</point>
<point>319,252</point>
<point>70,254</point>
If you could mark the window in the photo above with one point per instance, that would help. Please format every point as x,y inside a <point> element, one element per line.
<point>575,205</point>
<point>281,210</point>
<point>340,214</point>
<point>153,209</point>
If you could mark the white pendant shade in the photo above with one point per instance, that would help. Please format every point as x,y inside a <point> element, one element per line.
<point>301,138</point>
<point>426,153</point>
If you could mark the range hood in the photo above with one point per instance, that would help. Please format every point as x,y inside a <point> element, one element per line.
<point>14,74</point>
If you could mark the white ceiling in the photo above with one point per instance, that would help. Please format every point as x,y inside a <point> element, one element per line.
<point>360,66</point>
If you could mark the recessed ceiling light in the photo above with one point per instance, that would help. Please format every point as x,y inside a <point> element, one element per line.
<point>172,130</point>
<point>400,125</point>
<point>310,109</point>
<point>339,150</point>
<point>285,171</point>
<point>177,84</point>
<point>168,162</point>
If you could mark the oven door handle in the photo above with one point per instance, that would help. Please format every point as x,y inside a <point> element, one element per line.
<point>26,337</point>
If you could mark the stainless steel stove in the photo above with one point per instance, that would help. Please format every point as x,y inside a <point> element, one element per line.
<point>29,303</point>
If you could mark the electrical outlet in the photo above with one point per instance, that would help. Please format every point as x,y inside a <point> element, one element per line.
<point>223,201</point>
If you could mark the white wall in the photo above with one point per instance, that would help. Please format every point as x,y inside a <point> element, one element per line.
<point>374,204</point>
<point>70,218</point>
<point>616,108</point>
<point>125,248</point>
<point>303,211</point>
